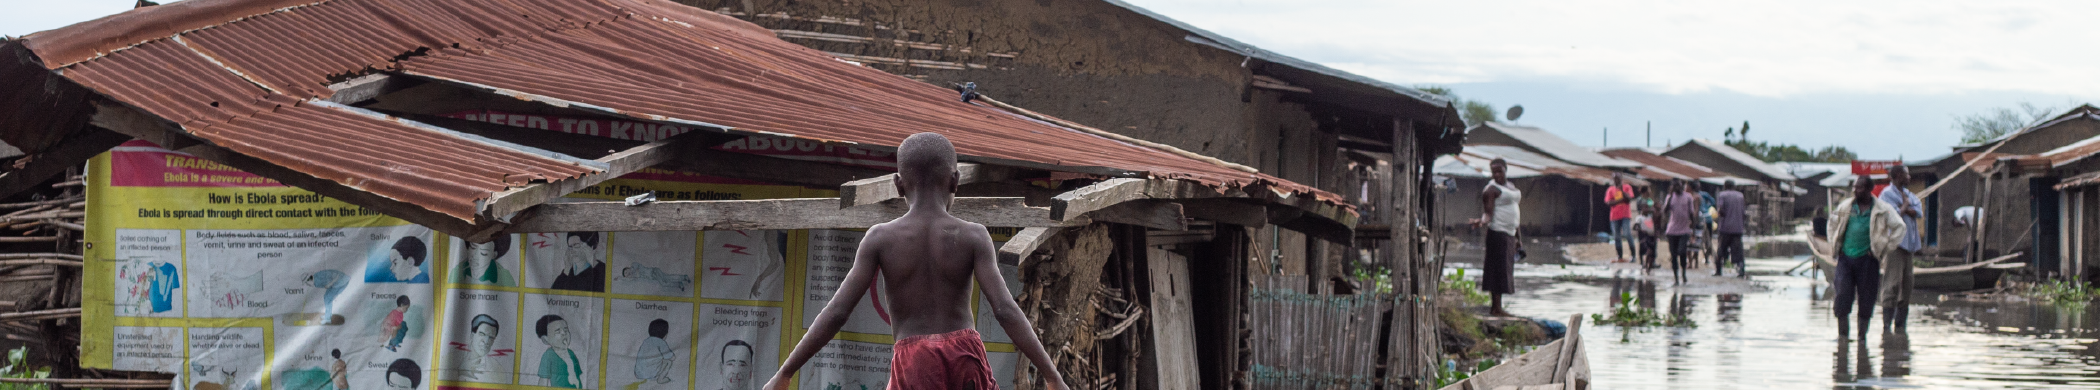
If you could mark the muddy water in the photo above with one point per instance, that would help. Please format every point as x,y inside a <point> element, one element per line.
<point>1777,331</point>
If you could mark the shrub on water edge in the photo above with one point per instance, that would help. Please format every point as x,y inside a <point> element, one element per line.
<point>2063,292</point>
<point>1470,290</point>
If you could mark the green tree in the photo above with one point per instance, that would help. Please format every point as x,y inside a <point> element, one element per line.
<point>1793,153</point>
<point>1728,135</point>
<point>1977,128</point>
<point>1474,112</point>
<point>1746,131</point>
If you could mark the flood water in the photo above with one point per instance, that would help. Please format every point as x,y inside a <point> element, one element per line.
<point>1777,331</point>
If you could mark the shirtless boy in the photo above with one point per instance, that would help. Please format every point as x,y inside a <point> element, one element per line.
<point>927,258</point>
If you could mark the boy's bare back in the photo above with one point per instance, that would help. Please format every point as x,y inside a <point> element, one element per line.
<point>927,259</point>
<point>928,262</point>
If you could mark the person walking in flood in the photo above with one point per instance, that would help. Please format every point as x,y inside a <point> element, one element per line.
<point>1897,269</point>
<point>1644,213</point>
<point>1620,198</point>
<point>1863,231</point>
<point>1729,204</point>
<point>1678,209</point>
<point>928,259</point>
<point>1498,211</point>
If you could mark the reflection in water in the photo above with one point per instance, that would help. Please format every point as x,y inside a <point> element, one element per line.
<point>1895,355</point>
<point>1769,333</point>
<point>1729,307</point>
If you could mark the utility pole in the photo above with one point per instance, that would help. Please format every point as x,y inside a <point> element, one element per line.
<point>1607,138</point>
<point>1651,134</point>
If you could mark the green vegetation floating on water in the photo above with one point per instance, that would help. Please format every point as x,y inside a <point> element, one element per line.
<point>18,367</point>
<point>1630,314</point>
<point>1468,289</point>
<point>2063,293</point>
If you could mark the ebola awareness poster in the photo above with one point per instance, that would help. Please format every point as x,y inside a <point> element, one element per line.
<point>234,281</point>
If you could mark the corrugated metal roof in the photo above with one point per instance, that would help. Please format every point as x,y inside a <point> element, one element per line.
<point>1674,166</point>
<point>1739,157</point>
<point>1545,142</point>
<point>1518,157</point>
<point>210,98</point>
<point>238,73</point>
<point>1207,38</point>
<point>2089,178</point>
<point>2074,152</point>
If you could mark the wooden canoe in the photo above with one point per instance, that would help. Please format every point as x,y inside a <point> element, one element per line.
<point>1963,277</point>
<point>1559,365</point>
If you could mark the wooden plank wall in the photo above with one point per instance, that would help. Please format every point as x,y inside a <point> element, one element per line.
<point>1304,341</point>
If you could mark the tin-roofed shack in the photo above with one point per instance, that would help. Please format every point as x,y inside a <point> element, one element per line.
<point>1136,73</point>
<point>2041,203</point>
<point>471,118</point>
<point>2005,198</point>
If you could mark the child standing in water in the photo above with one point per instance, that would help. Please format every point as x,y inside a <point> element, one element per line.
<point>927,258</point>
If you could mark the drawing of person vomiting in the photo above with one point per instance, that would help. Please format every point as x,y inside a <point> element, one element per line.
<point>558,366</point>
<point>643,273</point>
<point>331,282</point>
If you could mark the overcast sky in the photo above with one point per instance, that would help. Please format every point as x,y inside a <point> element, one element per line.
<point>1885,78</point>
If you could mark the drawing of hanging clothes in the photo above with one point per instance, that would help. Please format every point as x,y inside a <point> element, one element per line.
<point>165,281</point>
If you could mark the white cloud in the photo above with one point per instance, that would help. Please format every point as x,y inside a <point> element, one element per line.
<point>1763,48</point>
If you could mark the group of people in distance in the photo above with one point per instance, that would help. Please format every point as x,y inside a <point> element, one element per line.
<point>1690,220</point>
<point>1873,236</point>
<point>1682,215</point>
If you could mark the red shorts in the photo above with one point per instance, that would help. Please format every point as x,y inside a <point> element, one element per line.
<point>953,360</point>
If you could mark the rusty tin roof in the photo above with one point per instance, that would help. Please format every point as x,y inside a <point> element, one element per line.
<point>246,75</point>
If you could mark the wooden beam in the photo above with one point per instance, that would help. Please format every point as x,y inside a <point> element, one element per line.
<point>770,214</point>
<point>868,191</point>
<point>1156,214</point>
<point>1232,211</point>
<point>504,204</point>
<point>883,188</point>
<point>1162,238</point>
<point>768,169</point>
<point>132,122</point>
<point>42,166</point>
<point>1097,196</point>
<point>368,87</point>
<point>1321,228</point>
<point>1024,243</point>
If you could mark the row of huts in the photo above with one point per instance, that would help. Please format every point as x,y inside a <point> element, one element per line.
<point>2034,189</point>
<point>1155,164</point>
<point>1564,184</point>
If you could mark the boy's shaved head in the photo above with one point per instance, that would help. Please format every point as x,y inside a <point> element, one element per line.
<point>923,158</point>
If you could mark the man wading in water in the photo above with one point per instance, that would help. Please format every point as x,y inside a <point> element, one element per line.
<point>1862,232</point>
<point>927,258</point>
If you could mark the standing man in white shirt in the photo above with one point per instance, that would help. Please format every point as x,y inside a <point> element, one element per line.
<point>1897,269</point>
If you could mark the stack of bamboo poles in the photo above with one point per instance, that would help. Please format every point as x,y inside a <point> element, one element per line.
<point>40,268</point>
<point>1306,341</point>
